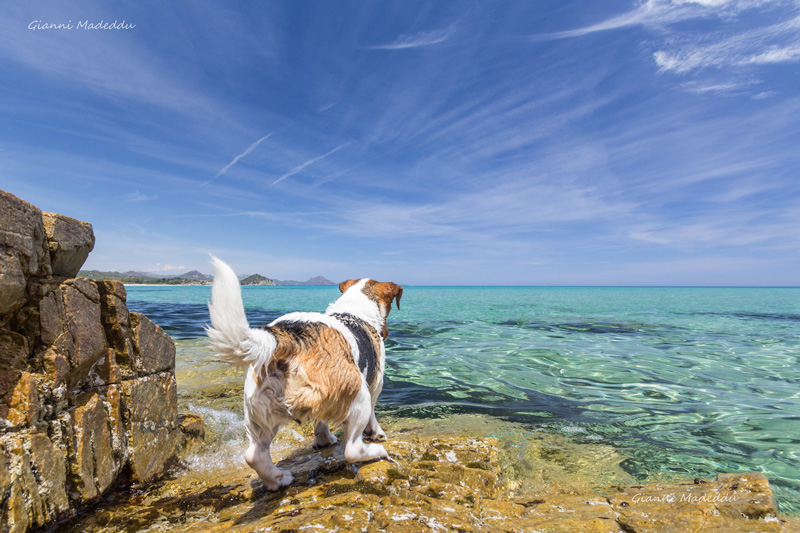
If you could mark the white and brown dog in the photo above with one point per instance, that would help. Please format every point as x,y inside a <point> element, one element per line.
<point>307,366</point>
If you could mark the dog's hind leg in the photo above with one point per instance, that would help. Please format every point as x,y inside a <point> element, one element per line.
<point>356,450</point>
<point>323,436</point>
<point>259,458</point>
<point>373,430</point>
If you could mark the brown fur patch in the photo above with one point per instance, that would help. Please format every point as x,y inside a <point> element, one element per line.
<point>343,286</point>
<point>321,378</point>
<point>383,294</point>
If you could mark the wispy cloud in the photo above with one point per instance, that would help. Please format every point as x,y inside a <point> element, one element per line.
<point>138,197</point>
<point>776,43</point>
<point>661,13</point>
<point>303,166</point>
<point>239,157</point>
<point>417,40</point>
<point>724,47</point>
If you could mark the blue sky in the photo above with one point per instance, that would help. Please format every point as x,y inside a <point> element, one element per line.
<point>652,142</point>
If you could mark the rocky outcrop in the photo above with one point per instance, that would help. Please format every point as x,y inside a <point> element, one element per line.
<point>257,279</point>
<point>435,484</point>
<point>88,395</point>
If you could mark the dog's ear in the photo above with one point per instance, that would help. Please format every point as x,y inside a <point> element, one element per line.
<point>398,293</point>
<point>387,292</point>
<point>343,286</point>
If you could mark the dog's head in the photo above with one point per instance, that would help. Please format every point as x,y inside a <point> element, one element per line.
<point>379,293</point>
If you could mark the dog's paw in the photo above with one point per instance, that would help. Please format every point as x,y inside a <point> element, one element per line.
<point>324,442</point>
<point>371,434</point>
<point>285,480</point>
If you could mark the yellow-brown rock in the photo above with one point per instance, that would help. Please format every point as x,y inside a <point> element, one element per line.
<point>330,495</point>
<point>84,397</point>
<point>70,242</point>
<point>151,414</point>
<point>153,348</point>
<point>93,463</point>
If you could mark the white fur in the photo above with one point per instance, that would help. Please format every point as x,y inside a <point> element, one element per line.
<point>355,302</point>
<point>231,335</point>
<point>265,407</point>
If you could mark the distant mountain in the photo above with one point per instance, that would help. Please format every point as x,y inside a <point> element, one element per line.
<point>133,278</point>
<point>318,281</point>
<point>194,274</point>
<point>135,274</point>
<point>257,279</point>
<point>195,277</point>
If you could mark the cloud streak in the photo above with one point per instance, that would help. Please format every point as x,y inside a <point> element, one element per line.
<point>417,40</point>
<point>138,197</point>
<point>303,166</point>
<point>776,43</point>
<point>239,157</point>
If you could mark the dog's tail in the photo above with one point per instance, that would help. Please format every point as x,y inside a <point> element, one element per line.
<point>231,335</point>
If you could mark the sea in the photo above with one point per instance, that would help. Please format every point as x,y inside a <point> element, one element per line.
<point>680,383</point>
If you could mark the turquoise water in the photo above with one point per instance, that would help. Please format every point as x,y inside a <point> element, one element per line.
<point>683,381</point>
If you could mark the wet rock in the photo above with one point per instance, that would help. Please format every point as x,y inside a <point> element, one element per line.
<point>69,243</point>
<point>732,502</point>
<point>330,495</point>
<point>192,431</point>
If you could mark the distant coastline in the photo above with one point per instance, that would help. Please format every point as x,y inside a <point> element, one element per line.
<point>194,277</point>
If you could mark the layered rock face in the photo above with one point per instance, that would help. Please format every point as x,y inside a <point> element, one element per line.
<point>87,390</point>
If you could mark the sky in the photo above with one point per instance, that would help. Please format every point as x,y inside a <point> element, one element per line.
<point>549,142</point>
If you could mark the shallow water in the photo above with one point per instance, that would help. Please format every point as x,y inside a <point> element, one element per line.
<point>677,381</point>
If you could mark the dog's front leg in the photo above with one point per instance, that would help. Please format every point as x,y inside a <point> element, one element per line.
<point>356,450</point>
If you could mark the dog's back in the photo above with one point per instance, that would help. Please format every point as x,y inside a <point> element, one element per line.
<point>316,363</point>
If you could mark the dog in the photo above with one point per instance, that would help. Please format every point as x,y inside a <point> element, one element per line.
<point>307,366</point>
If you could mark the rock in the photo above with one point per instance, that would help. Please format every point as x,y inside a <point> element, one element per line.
<point>69,241</point>
<point>19,399</point>
<point>151,411</point>
<point>35,476</point>
<point>14,350</point>
<point>192,431</point>
<point>92,452</point>
<point>85,395</point>
<point>23,250</point>
<point>116,321</point>
<point>72,331</point>
<point>50,464</point>
<point>329,495</point>
<point>154,350</point>
<point>734,502</point>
